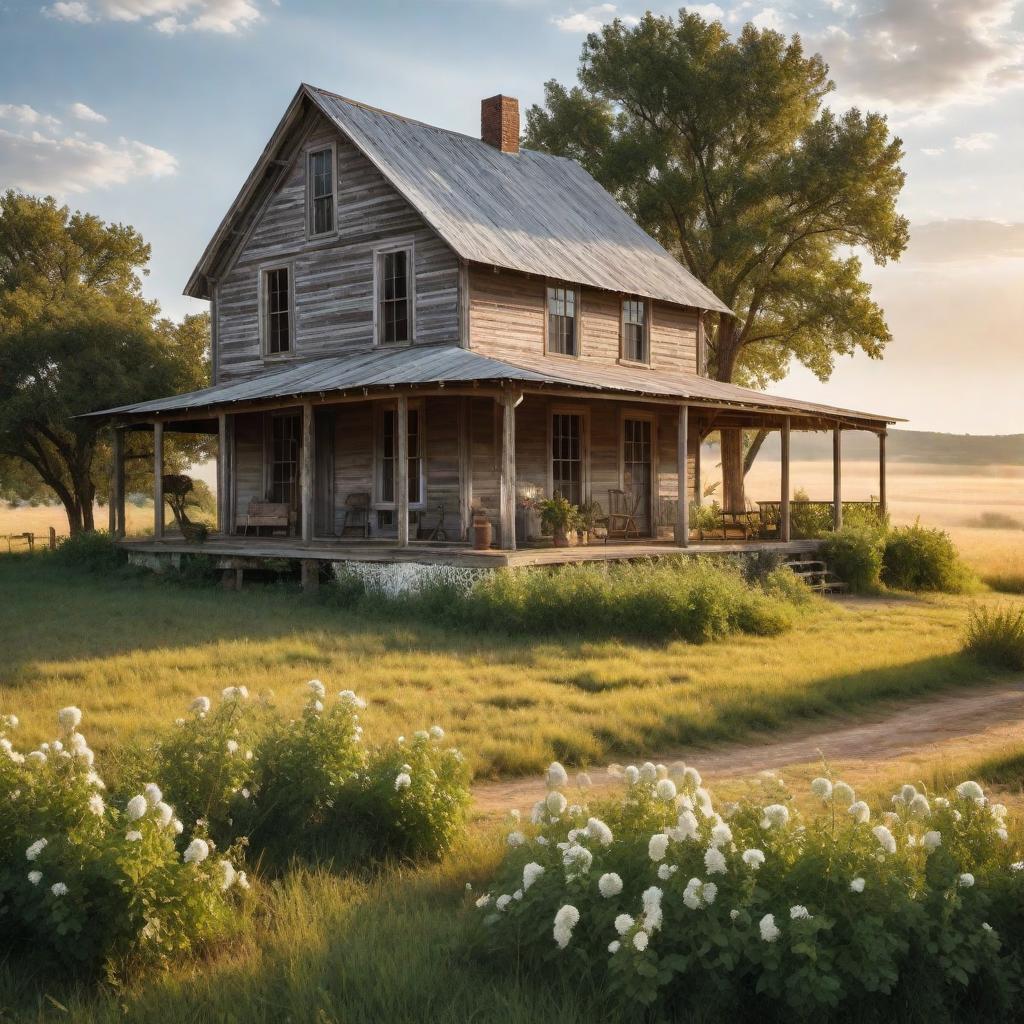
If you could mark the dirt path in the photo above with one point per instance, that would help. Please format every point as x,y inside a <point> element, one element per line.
<point>965,720</point>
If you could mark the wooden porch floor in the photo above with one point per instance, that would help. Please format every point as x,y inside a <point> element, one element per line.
<point>259,548</point>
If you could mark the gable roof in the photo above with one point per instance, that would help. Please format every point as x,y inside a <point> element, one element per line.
<point>531,212</point>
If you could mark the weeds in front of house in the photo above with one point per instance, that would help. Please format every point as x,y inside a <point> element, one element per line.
<point>995,636</point>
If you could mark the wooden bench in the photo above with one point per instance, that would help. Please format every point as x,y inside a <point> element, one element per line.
<point>276,515</point>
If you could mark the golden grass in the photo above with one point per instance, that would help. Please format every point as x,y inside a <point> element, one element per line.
<point>38,520</point>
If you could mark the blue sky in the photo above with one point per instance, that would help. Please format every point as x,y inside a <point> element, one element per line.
<point>153,112</point>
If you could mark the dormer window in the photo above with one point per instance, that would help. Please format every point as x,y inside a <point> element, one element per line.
<point>562,334</point>
<point>634,331</point>
<point>320,178</point>
<point>395,298</point>
<point>276,319</point>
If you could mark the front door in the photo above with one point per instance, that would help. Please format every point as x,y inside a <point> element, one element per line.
<point>638,470</point>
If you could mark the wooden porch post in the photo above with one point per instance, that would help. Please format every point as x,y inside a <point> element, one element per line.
<point>306,472</point>
<point>882,505</point>
<point>682,466</point>
<point>465,467</point>
<point>116,518</point>
<point>784,527</point>
<point>158,480</point>
<point>837,477</point>
<point>509,401</point>
<point>698,491</point>
<point>402,475</point>
<point>223,512</point>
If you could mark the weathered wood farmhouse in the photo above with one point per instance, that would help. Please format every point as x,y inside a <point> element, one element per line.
<point>412,326</point>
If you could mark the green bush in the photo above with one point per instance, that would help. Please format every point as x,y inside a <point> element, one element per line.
<point>84,884</point>
<point>995,636</point>
<point>918,558</point>
<point>90,552</point>
<point>672,909</point>
<point>854,554</point>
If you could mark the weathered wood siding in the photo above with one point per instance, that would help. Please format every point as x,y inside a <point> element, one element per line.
<point>507,313</point>
<point>333,275</point>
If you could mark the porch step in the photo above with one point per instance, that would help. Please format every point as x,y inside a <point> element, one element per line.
<point>817,575</point>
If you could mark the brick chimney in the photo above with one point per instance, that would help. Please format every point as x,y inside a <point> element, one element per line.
<point>499,123</point>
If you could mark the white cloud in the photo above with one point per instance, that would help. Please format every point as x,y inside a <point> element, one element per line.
<point>589,20</point>
<point>975,142</point>
<point>953,241</point>
<point>933,151</point>
<point>709,12</point>
<point>167,16</point>
<point>768,18</point>
<point>34,156</point>
<point>86,113</point>
<point>923,55</point>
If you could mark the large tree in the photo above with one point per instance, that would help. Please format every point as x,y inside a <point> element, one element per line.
<point>725,151</point>
<point>77,335</point>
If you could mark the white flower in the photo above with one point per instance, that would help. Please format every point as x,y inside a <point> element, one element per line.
<point>556,776</point>
<point>153,794</point>
<point>436,732</point>
<point>68,718</point>
<point>228,875</point>
<point>692,777</point>
<point>640,941</point>
<point>565,921</point>
<point>613,947</point>
<point>198,850</point>
<point>1001,833</point>
<point>231,746</point>
<point>665,790</point>
<point>709,891</point>
<point>35,849</point>
<point>242,880</point>
<point>919,805</point>
<point>583,780</point>
<point>623,923</point>
<point>843,794</point>
<point>36,757</point>
<point>632,774</point>
<point>999,811</point>
<point>969,791</point>
<point>857,885</point>
<point>403,781</point>
<point>714,861</point>
<point>317,688</point>
<point>860,812</point>
<point>966,880</point>
<point>515,839</point>
<point>137,807</point>
<point>96,804</point>
<point>59,889</point>
<point>931,840</point>
<point>609,885</point>
<point>35,877</point>
<point>886,840</point>
<point>531,872</point>
<point>518,894</point>
<point>907,792</point>
<point>177,827</point>
<point>769,930</point>
<point>753,858</point>
<point>349,697</point>
<point>201,705</point>
<point>483,901</point>
<point>648,771</point>
<point>703,798</point>
<point>234,693</point>
<point>555,803</point>
<point>503,901</point>
<point>599,831</point>
<point>822,788</point>
<point>8,721</point>
<point>657,846</point>
<point>652,908</point>
<point>687,827</point>
<point>666,871</point>
<point>799,913</point>
<point>577,860</point>
<point>721,834</point>
<point>775,815</point>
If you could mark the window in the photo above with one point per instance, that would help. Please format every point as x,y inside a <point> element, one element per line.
<point>562,321</point>
<point>394,297</point>
<point>634,330</point>
<point>284,459</point>
<point>277,311</point>
<point>388,457</point>
<point>321,191</point>
<point>567,456</point>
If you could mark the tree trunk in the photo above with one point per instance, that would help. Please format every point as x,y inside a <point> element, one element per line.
<point>755,446</point>
<point>733,497</point>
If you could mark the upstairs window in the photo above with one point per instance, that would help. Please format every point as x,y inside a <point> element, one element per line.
<point>634,331</point>
<point>320,175</point>
<point>277,311</point>
<point>394,297</point>
<point>562,334</point>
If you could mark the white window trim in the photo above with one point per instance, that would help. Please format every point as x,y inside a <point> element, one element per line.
<point>578,306</point>
<point>261,297</point>
<point>333,230</point>
<point>642,414</point>
<point>583,412</point>
<point>420,406</point>
<point>623,358</point>
<point>407,245</point>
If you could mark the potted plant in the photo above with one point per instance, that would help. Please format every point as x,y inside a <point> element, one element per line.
<point>560,518</point>
<point>590,515</point>
<point>482,531</point>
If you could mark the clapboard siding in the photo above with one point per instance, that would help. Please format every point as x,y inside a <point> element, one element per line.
<point>333,276</point>
<point>507,313</point>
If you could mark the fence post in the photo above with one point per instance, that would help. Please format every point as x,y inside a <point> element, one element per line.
<point>53,539</point>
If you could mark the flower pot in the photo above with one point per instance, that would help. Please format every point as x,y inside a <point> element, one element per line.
<point>584,538</point>
<point>482,533</point>
<point>560,537</point>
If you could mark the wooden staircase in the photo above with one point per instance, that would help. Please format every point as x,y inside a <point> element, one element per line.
<point>816,574</point>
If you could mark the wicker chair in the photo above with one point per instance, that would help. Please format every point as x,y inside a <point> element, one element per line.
<point>356,514</point>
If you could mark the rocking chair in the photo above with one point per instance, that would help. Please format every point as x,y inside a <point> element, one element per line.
<point>623,513</point>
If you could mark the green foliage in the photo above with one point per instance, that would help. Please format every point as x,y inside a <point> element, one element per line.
<point>90,552</point>
<point>704,517</point>
<point>558,515</point>
<point>919,558</point>
<point>84,884</point>
<point>657,900</point>
<point>995,636</point>
<point>854,553</point>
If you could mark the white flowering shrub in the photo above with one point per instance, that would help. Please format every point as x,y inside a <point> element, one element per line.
<point>85,882</point>
<point>671,903</point>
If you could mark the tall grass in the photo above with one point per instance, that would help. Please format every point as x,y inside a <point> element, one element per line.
<point>995,636</point>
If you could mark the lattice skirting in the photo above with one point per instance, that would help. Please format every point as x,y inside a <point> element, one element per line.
<point>394,578</point>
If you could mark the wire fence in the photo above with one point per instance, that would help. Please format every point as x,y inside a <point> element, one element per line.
<point>28,540</point>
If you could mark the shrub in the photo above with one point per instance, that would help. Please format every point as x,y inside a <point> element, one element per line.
<point>995,636</point>
<point>658,899</point>
<point>90,552</point>
<point>83,883</point>
<point>854,553</point>
<point>918,558</point>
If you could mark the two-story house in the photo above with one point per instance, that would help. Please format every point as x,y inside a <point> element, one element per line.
<point>410,324</point>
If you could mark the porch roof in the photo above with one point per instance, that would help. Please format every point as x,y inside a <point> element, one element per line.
<point>441,365</point>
